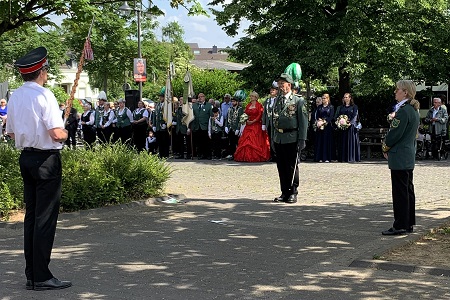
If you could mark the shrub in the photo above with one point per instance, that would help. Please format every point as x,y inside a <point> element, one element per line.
<point>107,174</point>
<point>11,186</point>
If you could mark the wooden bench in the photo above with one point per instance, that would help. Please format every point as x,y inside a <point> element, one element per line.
<point>369,137</point>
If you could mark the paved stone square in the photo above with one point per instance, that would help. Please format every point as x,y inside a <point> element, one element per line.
<point>229,241</point>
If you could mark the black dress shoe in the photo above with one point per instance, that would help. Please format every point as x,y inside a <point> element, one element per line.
<point>51,284</point>
<point>281,198</point>
<point>292,199</point>
<point>410,229</point>
<point>29,285</point>
<point>393,231</point>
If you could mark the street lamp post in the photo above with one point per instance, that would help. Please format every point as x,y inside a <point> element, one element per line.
<point>126,9</point>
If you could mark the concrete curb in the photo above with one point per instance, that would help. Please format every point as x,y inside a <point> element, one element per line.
<point>390,266</point>
<point>112,208</point>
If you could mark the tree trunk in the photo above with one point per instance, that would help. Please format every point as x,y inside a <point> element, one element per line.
<point>344,81</point>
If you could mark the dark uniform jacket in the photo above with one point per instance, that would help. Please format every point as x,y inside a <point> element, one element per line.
<point>233,117</point>
<point>289,119</point>
<point>267,114</point>
<point>158,117</point>
<point>180,127</point>
<point>201,115</point>
<point>401,139</point>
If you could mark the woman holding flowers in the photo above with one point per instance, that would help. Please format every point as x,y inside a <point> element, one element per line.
<point>348,137</point>
<point>253,144</point>
<point>324,142</point>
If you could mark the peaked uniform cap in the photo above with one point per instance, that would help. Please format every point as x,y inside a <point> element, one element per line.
<point>286,77</point>
<point>33,61</point>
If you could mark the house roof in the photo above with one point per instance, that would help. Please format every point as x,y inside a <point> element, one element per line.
<point>208,53</point>
<point>212,64</point>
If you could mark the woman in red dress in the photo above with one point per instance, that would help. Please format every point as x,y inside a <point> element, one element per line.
<point>253,144</point>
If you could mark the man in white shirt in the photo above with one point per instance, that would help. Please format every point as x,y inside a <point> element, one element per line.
<point>35,123</point>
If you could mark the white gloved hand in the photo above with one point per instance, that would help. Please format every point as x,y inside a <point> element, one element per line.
<point>188,132</point>
<point>236,132</point>
<point>264,127</point>
<point>163,126</point>
<point>154,129</point>
<point>174,123</point>
<point>226,130</point>
<point>241,130</point>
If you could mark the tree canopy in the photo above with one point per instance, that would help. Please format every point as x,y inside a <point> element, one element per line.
<point>368,44</point>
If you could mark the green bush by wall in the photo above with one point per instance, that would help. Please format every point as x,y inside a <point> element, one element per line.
<point>105,175</point>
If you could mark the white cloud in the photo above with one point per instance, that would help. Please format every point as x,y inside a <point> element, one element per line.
<point>199,27</point>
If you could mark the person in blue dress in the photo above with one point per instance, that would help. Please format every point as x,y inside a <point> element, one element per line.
<point>324,147</point>
<point>348,138</point>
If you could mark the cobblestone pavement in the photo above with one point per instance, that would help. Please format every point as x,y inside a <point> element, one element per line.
<point>367,182</point>
<point>230,241</point>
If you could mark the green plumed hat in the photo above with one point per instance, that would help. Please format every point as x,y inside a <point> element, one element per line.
<point>295,71</point>
<point>162,92</point>
<point>240,95</point>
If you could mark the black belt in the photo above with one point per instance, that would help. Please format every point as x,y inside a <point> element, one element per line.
<point>287,130</point>
<point>31,149</point>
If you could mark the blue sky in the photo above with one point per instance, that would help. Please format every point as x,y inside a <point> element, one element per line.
<point>198,29</point>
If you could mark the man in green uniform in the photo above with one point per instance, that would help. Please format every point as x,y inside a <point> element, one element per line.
<point>232,126</point>
<point>290,124</point>
<point>267,116</point>
<point>160,129</point>
<point>202,113</point>
<point>99,113</point>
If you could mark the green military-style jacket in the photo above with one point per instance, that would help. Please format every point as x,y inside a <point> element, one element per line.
<point>201,115</point>
<point>158,117</point>
<point>98,115</point>
<point>267,114</point>
<point>122,120</point>
<point>234,115</point>
<point>180,127</point>
<point>290,119</point>
<point>400,141</point>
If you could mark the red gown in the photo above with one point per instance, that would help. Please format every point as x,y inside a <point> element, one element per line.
<point>254,143</point>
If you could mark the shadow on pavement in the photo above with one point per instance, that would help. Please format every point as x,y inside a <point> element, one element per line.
<point>224,249</point>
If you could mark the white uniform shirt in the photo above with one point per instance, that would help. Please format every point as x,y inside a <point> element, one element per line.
<point>32,111</point>
<point>111,117</point>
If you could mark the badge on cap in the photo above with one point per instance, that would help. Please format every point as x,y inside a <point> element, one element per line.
<point>33,61</point>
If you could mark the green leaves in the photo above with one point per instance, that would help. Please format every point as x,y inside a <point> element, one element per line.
<point>371,43</point>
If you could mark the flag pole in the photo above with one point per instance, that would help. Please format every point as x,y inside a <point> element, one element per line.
<point>69,102</point>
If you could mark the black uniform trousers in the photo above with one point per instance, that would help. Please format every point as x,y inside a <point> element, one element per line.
<point>202,143</point>
<point>139,135</point>
<point>42,176</point>
<point>233,142</point>
<point>125,134</point>
<point>272,151</point>
<point>105,134</point>
<point>88,134</point>
<point>404,199</point>
<point>286,163</point>
<point>216,141</point>
<point>71,136</point>
<point>163,140</point>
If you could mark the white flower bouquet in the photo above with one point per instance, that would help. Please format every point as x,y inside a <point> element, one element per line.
<point>342,122</point>
<point>243,119</point>
<point>320,124</point>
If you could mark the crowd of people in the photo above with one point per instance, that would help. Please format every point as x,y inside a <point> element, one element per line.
<point>336,135</point>
<point>37,128</point>
<point>227,129</point>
